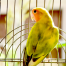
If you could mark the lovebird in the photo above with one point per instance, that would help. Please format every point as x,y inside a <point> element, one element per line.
<point>42,38</point>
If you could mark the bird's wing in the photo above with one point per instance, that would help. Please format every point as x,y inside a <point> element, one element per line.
<point>32,40</point>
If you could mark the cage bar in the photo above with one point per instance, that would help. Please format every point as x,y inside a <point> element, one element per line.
<point>6,31</point>
<point>52,8</point>
<point>0,7</point>
<point>21,31</point>
<point>44,3</point>
<point>36,3</point>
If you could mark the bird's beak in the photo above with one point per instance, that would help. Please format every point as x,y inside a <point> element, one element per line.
<point>32,17</point>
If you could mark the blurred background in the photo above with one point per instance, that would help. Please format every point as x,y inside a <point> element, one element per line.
<point>15,24</point>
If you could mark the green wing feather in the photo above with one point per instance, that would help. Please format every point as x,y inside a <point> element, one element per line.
<point>32,40</point>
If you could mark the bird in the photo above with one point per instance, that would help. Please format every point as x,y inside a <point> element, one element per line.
<point>42,38</point>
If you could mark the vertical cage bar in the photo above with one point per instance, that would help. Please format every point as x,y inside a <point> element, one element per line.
<point>6,31</point>
<point>43,63</point>
<point>29,16</point>
<point>59,30</point>
<point>44,3</point>
<point>0,7</point>
<point>13,28</point>
<point>52,17</point>
<point>52,8</point>
<point>50,55</point>
<point>59,14</point>
<point>21,30</point>
<point>43,60</point>
<point>65,51</point>
<point>36,3</point>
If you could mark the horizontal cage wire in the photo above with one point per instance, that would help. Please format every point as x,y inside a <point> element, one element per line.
<point>16,23</point>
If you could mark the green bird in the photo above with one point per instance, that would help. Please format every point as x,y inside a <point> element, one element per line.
<point>42,38</point>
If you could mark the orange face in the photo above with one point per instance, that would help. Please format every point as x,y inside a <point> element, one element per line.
<point>35,15</point>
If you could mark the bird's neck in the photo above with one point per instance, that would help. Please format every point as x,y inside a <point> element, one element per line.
<point>46,22</point>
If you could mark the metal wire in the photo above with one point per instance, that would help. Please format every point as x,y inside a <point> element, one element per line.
<point>59,27</point>
<point>0,7</point>
<point>15,29</point>
<point>44,3</point>
<point>36,3</point>
<point>21,31</point>
<point>52,17</point>
<point>29,16</point>
<point>17,60</point>
<point>52,8</point>
<point>6,32</point>
<point>16,39</point>
<point>43,60</point>
<point>13,26</point>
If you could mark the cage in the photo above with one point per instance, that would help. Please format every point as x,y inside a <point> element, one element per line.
<point>15,25</point>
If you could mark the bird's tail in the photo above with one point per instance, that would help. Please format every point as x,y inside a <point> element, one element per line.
<point>26,58</point>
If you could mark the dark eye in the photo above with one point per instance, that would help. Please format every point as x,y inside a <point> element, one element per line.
<point>34,11</point>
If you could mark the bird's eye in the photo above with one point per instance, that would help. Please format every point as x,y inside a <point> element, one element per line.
<point>34,11</point>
